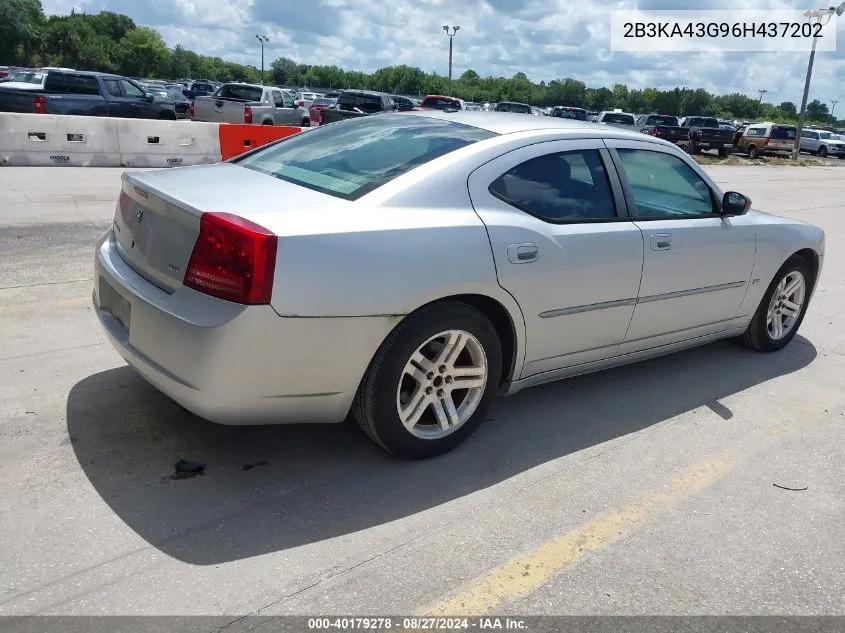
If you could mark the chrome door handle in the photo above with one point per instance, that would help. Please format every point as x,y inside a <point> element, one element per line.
<point>523,253</point>
<point>661,242</point>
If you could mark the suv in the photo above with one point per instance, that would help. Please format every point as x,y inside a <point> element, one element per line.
<point>439,102</point>
<point>513,106</point>
<point>569,112</point>
<point>760,139</point>
<point>822,143</point>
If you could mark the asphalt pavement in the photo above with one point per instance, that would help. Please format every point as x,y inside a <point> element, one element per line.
<point>705,482</point>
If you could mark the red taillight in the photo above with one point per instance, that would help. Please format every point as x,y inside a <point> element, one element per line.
<point>191,110</point>
<point>247,114</point>
<point>653,131</point>
<point>233,259</point>
<point>40,105</point>
<point>300,104</point>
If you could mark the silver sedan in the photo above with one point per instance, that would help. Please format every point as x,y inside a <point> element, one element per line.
<point>405,268</point>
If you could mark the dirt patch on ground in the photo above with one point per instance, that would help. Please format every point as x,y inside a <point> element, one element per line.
<point>774,161</point>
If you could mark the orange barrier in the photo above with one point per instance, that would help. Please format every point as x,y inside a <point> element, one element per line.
<point>236,139</point>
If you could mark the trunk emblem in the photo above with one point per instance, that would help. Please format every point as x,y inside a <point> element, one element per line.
<point>138,215</point>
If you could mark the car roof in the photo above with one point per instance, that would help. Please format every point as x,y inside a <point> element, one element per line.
<point>507,123</point>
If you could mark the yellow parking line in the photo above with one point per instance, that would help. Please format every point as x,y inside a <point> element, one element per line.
<point>520,576</point>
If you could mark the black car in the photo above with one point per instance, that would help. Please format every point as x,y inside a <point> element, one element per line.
<point>403,104</point>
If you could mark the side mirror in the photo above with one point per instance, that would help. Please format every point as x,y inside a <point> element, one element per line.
<point>149,97</point>
<point>734,203</point>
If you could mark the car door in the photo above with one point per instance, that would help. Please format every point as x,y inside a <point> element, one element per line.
<point>697,263</point>
<point>286,111</point>
<point>563,247</point>
<point>134,101</point>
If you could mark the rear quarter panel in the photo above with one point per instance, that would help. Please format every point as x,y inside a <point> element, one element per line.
<point>778,238</point>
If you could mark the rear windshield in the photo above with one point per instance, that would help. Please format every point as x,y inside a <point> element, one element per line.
<point>663,120</point>
<point>440,103</point>
<point>241,93</point>
<point>702,122</point>
<point>364,102</point>
<point>513,107</point>
<point>613,117</point>
<point>323,102</point>
<point>355,157</point>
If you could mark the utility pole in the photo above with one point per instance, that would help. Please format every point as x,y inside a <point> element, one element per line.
<point>262,39</point>
<point>821,16</point>
<point>451,36</point>
<point>759,101</point>
<point>833,103</point>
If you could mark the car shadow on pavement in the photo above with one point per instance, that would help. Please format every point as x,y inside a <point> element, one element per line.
<point>266,489</point>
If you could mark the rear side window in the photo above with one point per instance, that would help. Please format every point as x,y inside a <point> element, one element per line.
<point>354,157</point>
<point>560,187</point>
<point>366,103</point>
<point>241,93</point>
<point>72,84</point>
<point>784,132</point>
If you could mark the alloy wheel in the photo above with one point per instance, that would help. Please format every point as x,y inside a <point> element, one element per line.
<point>442,384</point>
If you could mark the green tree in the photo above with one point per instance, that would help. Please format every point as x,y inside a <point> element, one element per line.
<point>21,24</point>
<point>788,108</point>
<point>817,111</point>
<point>143,53</point>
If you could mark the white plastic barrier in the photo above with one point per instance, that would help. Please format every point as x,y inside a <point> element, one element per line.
<point>150,143</point>
<point>47,139</point>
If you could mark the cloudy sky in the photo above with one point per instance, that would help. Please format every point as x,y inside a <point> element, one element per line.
<point>544,39</point>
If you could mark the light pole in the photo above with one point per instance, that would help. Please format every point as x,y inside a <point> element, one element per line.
<point>262,39</point>
<point>759,101</point>
<point>451,36</point>
<point>833,103</point>
<point>821,16</point>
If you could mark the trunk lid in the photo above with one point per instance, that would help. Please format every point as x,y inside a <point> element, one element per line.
<point>157,219</point>
<point>219,110</point>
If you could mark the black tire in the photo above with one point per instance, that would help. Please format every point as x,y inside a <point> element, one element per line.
<point>306,123</point>
<point>841,157</point>
<point>753,152</point>
<point>166,115</point>
<point>823,151</point>
<point>723,151</point>
<point>375,407</point>
<point>757,335</point>
<point>267,122</point>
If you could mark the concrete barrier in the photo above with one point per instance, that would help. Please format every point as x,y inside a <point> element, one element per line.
<point>44,140</point>
<point>151,143</point>
<point>82,141</point>
<point>237,138</point>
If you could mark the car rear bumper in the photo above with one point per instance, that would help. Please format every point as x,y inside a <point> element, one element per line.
<point>230,363</point>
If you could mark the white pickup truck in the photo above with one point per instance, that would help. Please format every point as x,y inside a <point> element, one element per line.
<point>251,104</point>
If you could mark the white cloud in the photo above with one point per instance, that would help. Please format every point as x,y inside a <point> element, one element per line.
<point>545,39</point>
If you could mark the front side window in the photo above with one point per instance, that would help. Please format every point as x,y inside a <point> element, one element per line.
<point>561,187</point>
<point>112,87</point>
<point>664,186</point>
<point>355,157</point>
<point>132,91</point>
<point>755,131</point>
